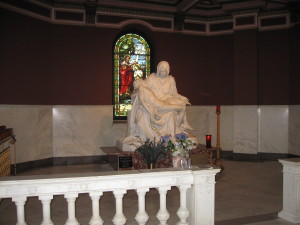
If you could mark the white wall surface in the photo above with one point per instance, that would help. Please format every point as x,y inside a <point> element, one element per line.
<point>64,131</point>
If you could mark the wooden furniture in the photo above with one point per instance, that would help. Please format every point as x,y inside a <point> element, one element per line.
<point>202,155</point>
<point>7,139</point>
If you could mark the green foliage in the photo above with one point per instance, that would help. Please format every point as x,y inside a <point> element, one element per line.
<point>152,151</point>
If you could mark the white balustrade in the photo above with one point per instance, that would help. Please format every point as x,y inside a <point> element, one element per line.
<point>46,201</point>
<point>20,203</point>
<point>142,217</point>
<point>96,219</point>
<point>183,212</point>
<point>71,198</point>
<point>163,214</point>
<point>196,186</point>
<point>119,218</point>
<point>291,189</point>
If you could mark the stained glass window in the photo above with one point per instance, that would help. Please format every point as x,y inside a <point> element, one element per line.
<point>131,62</point>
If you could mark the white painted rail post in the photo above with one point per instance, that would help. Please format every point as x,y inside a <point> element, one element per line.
<point>96,219</point>
<point>291,189</point>
<point>183,212</point>
<point>119,218</point>
<point>201,197</point>
<point>20,203</point>
<point>142,216</point>
<point>46,201</point>
<point>71,198</point>
<point>163,215</point>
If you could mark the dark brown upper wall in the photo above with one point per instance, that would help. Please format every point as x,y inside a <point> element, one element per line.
<point>82,65</point>
<point>202,66</point>
<point>25,60</point>
<point>42,63</point>
<point>295,65</point>
<point>273,67</point>
<point>245,67</point>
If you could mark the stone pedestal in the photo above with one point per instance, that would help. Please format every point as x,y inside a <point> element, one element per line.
<point>125,147</point>
<point>291,189</point>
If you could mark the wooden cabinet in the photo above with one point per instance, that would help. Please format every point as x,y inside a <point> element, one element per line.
<point>7,144</point>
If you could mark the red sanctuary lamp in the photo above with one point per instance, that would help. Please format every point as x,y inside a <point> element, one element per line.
<point>208,140</point>
<point>218,109</point>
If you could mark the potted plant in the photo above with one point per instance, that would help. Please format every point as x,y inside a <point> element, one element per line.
<point>152,151</point>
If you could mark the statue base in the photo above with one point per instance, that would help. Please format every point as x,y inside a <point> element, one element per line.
<point>125,147</point>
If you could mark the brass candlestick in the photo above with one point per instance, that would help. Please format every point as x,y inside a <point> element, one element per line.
<point>218,161</point>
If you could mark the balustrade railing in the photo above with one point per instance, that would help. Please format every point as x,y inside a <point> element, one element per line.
<point>196,187</point>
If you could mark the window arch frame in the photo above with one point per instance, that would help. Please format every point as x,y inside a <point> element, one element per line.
<point>121,106</point>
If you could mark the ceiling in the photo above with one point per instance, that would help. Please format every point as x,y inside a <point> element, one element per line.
<point>203,17</point>
<point>189,7</point>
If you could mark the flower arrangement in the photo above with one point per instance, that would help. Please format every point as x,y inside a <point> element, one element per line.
<point>152,151</point>
<point>181,146</point>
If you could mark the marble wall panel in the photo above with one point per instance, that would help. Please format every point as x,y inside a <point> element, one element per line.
<point>294,130</point>
<point>198,118</point>
<point>273,129</point>
<point>65,131</point>
<point>32,126</point>
<point>226,127</point>
<point>245,129</point>
<point>119,130</point>
<point>81,130</point>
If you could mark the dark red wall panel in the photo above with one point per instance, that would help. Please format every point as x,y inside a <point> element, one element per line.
<point>43,63</point>
<point>245,67</point>
<point>82,65</point>
<point>295,65</point>
<point>274,74</point>
<point>25,60</point>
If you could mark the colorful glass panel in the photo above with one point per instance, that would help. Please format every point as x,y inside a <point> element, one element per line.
<point>131,62</point>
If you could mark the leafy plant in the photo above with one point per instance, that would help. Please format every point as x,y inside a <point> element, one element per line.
<point>153,151</point>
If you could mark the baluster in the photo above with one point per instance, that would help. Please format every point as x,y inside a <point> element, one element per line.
<point>96,219</point>
<point>183,212</point>
<point>163,215</point>
<point>46,200</point>
<point>20,202</point>
<point>119,218</point>
<point>71,198</point>
<point>142,217</point>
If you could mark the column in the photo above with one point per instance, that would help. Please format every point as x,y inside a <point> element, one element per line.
<point>183,212</point>
<point>163,215</point>
<point>201,197</point>
<point>96,219</point>
<point>71,198</point>
<point>46,201</point>
<point>291,189</point>
<point>20,202</point>
<point>119,218</point>
<point>142,216</point>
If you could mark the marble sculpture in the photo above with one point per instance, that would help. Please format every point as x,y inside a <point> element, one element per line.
<point>157,110</point>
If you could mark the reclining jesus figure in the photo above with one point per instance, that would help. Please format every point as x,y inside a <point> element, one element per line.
<point>157,109</point>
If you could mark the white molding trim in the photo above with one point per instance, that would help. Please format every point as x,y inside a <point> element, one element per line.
<point>248,26</point>
<point>274,27</point>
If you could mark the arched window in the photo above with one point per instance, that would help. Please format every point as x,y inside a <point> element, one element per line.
<point>131,62</point>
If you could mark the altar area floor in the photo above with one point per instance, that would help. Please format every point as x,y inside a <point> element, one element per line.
<point>246,193</point>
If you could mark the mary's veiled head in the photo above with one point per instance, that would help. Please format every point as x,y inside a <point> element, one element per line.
<point>163,69</point>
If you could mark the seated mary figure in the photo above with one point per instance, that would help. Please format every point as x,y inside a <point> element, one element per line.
<point>157,109</point>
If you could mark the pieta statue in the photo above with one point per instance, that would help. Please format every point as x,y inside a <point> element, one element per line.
<point>157,110</point>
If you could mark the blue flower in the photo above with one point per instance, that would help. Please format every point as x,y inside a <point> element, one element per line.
<point>165,139</point>
<point>181,136</point>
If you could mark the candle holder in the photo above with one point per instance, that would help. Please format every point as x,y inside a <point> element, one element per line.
<point>208,140</point>
<point>218,161</point>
